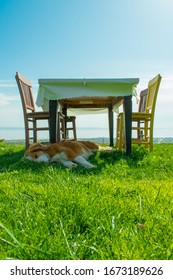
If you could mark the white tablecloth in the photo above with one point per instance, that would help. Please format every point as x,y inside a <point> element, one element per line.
<point>55,89</point>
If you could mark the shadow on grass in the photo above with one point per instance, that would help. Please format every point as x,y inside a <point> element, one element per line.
<point>10,155</point>
<point>104,158</point>
<point>11,158</point>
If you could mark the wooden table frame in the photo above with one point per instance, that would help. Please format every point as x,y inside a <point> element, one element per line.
<point>127,108</point>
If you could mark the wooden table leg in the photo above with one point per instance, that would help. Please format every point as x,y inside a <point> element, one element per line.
<point>53,121</point>
<point>127,106</point>
<point>111,125</point>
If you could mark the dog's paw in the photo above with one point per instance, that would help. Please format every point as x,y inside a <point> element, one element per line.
<point>73,165</point>
<point>92,166</point>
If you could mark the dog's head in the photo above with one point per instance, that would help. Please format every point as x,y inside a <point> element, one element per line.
<point>37,152</point>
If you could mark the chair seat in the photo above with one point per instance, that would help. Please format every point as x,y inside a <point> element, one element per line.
<point>139,141</point>
<point>38,115</point>
<point>38,129</point>
<point>138,115</point>
<point>141,116</point>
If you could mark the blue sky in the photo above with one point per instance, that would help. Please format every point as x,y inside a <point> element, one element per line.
<point>86,38</point>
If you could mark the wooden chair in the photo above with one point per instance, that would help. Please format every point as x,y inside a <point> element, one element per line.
<point>31,117</point>
<point>65,125</point>
<point>119,132</point>
<point>143,120</point>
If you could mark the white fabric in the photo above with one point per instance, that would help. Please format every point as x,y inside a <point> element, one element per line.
<point>54,89</point>
<point>83,111</point>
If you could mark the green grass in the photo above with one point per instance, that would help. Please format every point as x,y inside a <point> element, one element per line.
<point>121,210</point>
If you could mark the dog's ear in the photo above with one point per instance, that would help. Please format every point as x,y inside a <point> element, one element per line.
<point>37,147</point>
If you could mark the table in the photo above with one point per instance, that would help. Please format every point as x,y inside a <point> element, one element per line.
<point>82,96</point>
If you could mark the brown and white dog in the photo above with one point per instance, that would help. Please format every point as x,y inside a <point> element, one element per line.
<point>68,153</point>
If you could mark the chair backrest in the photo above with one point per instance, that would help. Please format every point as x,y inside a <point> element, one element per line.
<point>153,88</point>
<point>25,89</point>
<point>143,100</point>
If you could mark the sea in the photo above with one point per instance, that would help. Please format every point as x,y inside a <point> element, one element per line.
<point>18,133</point>
<point>92,133</point>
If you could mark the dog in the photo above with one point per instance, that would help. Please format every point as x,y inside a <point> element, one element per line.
<point>68,153</point>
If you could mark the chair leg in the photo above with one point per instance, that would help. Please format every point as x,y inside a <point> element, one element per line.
<point>26,133</point>
<point>119,133</point>
<point>35,131</point>
<point>121,125</point>
<point>74,129</point>
<point>26,138</point>
<point>61,127</point>
<point>138,131</point>
<point>151,136</point>
<point>147,134</point>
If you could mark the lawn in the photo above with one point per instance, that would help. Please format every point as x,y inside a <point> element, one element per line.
<point>121,210</point>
